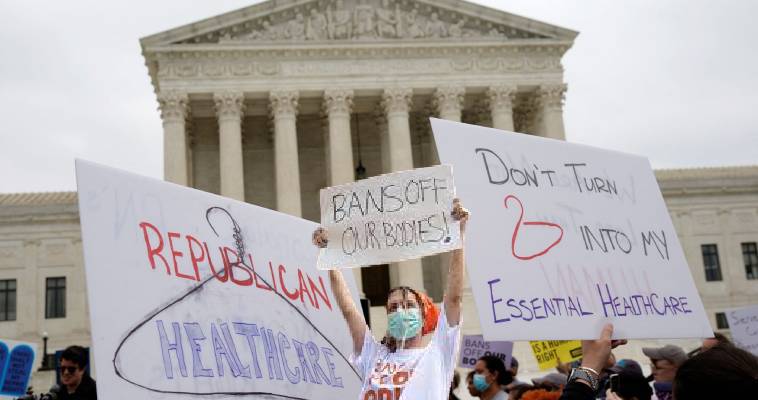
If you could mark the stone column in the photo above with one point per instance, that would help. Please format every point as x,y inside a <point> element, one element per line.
<point>337,106</point>
<point>501,106</point>
<point>448,104</point>
<point>174,107</point>
<point>550,106</point>
<point>230,108</point>
<point>338,103</point>
<point>381,128</point>
<point>283,106</point>
<point>396,103</point>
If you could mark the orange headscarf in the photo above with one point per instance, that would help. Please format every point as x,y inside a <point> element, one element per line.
<point>431,313</point>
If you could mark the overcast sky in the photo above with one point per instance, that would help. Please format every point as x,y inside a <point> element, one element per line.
<point>675,81</point>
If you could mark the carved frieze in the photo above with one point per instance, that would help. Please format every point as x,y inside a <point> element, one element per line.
<point>360,20</point>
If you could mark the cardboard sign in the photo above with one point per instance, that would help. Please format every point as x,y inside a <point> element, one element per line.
<point>474,347</point>
<point>194,294</point>
<point>17,359</point>
<point>743,324</point>
<point>550,353</point>
<point>389,218</point>
<point>565,237</point>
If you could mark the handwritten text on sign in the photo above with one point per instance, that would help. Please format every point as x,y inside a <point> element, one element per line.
<point>230,302</point>
<point>743,323</point>
<point>389,218</point>
<point>566,237</point>
<point>474,347</point>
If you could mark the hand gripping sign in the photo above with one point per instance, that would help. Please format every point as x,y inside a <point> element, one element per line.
<point>567,237</point>
<point>389,218</point>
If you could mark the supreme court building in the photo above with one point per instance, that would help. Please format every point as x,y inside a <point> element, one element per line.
<point>270,103</point>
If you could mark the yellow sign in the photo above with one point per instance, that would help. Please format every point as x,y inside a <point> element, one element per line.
<point>549,352</point>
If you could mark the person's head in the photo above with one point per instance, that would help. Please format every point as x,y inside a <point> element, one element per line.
<point>490,371</point>
<point>664,361</point>
<point>470,384</point>
<point>626,365</point>
<point>722,372</point>
<point>716,339</point>
<point>514,366</point>
<point>72,365</point>
<point>518,391</point>
<point>552,381</point>
<point>632,385</point>
<point>410,315</point>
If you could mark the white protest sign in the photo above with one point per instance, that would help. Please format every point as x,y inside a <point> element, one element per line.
<point>475,347</point>
<point>743,323</point>
<point>389,218</point>
<point>17,362</point>
<point>565,237</point>
<point>191,293</point>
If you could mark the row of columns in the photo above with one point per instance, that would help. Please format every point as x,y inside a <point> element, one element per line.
<point>392,120</point>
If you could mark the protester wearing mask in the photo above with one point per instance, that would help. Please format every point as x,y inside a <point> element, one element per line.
<point>401,364</point>
<point>489,377</point>
<point>664,362</point>
<point>470,384</point>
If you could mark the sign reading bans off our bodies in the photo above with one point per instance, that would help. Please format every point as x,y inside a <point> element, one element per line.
<point>196,295</point>
<point>566,237</point>
<point>389,218</point>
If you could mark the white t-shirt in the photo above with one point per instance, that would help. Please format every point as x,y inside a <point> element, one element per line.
<point>417,374</point>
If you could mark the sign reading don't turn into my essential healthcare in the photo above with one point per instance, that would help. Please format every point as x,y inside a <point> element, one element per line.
<point>566,237</point>
<point>389,218</point>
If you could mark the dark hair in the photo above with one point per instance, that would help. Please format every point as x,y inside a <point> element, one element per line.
<point>456,380</point>
<point>77,355</point>
<point>470,376</point>
<point>514,363</point>
<point>633,384</point>
<point>495,364</point>
<point>388,340</point>
<point>722,372</point>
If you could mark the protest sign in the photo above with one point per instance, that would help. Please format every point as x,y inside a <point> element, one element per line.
<point>195,294</point>
<point>389,218</point>
<point>17,359</point>
<point>743,324</point>
<point>474,347</point>
<point>550,353</point>
<point>565,237</point>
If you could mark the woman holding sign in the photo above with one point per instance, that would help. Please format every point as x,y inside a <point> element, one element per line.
<point>401,363</point>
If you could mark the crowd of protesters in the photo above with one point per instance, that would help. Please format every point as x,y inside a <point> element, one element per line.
<point>716,370</point>
<point>416,359</point>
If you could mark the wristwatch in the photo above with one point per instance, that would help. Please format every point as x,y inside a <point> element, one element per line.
<point>585,374</point>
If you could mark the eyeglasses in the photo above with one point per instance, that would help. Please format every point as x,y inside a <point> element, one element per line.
<point>70,370</point>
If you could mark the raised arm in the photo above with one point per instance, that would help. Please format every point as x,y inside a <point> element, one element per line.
<point>454,290</point>
<point>350,311</point>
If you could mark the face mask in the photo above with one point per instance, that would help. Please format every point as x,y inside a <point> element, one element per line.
<point>480,383</point>
<point>405,323</point>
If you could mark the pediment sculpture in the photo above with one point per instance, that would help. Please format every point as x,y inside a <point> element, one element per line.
<point>362,20</point>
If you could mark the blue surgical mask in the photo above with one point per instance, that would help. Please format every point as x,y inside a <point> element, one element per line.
<point>480,383</point>
<point>404,323</point>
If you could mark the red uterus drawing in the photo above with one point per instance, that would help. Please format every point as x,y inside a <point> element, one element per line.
<point>531,227</point>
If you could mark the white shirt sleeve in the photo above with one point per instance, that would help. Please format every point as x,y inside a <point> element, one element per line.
<point>448,340</point>
<point>364,361</point>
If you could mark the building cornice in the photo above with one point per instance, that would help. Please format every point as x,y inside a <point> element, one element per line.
<point>708,181</point>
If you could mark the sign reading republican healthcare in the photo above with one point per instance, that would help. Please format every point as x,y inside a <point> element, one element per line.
<point>743,324</point>
<point>17,360</point>
<point>389,218</point>
<point>565,237</point>
<point>195,294</point>
<point>475,347</point>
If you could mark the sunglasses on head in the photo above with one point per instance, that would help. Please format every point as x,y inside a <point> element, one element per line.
<point>70,370</point>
